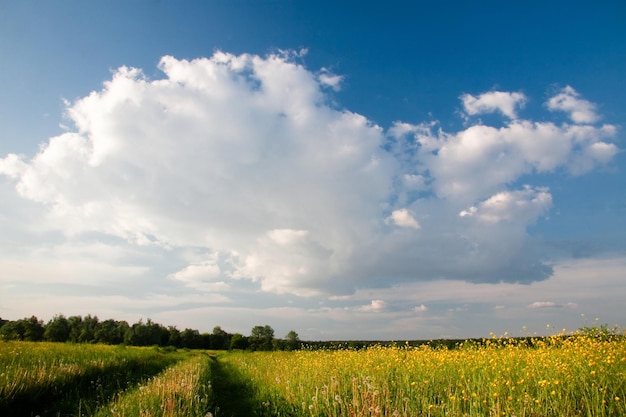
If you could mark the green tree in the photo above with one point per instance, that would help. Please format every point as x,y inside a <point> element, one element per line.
<point>146,334</point>
<point>292,341</point>
<point>220,340</point>
<point>109,332</point>
<point>173,338</point>
<point>238,341</point>
<point>12,330</point>
<point>190,339</point>
<point>88,328</point>
<point>57,329</point>
<point>33,329</point>
<point>261,338</point>
<point>75,324</point>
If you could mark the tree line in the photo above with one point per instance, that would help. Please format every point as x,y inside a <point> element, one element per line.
<point>89,329</point>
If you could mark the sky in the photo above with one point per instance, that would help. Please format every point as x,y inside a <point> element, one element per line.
<point>349,170</point>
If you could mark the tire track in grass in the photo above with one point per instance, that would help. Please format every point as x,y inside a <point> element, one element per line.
<point>234,396</point>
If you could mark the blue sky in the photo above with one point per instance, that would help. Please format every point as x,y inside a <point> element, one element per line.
<point>351,170</point>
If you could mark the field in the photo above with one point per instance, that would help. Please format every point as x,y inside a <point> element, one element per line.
<point>55,379</point>
<point>558,376</point>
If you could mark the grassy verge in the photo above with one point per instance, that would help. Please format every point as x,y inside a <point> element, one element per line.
<point>183,390</point>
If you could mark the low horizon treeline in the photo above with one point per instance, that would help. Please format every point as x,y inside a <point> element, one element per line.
<point>89,329</point>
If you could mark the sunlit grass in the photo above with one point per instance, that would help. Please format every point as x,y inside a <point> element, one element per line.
<point>558,376</point>
<point>182,390</point>
<point>38,377</point>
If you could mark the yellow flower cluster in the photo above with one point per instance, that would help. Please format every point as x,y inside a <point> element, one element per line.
<point>563,375</point>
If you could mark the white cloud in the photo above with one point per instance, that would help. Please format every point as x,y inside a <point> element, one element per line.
<point>403,218</point>
<point>523,206</point>
<point>12,166</point>
<point>204,276</point>
<point>241,158</point>
<point>329,79</point>
<point>551,304</point>
<point>374,306</point>
<point>287,236</point>
<point>420,308</point>
<point>502,101</point>
<point>578,109</point>
<point>478,161</point>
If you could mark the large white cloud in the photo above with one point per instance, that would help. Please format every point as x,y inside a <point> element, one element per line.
<point>245,158</point>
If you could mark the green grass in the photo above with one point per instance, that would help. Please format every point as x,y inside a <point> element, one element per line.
<point>183,390</point>
<point>561,376</point>
<point>578,376</point>
<point>53,379</point>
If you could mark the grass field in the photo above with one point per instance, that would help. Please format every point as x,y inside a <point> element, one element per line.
<point>558,376</point>
<point>54,379</point>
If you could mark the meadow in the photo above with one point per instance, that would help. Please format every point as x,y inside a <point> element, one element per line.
<point>557,376</point>
<point>59,379</point>
<point>564,375</point>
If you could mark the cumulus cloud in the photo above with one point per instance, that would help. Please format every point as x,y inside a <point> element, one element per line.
<point>523,206</point>
<point>478,161</point>
<point>501,101</point>
<point>204,276</point>
<point>243,157</point>
<point>569,101</point>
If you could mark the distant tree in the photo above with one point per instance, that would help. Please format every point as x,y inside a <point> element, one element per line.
<point>57,329</point>
<point>292,341</point>
<point>238,341</point>
<point>220,340</point>
<point>279,344</point>
<point>190,339</point>
<point>159,335</point>
<point>122,328</point>
<point>137,334</point>
<point>261,338</point>
<point>109,332</point>
<point>30,329</point>
<point>146,334</point>
<point>173,338</point>
<point>3,322</point>
<point>33,329</point>
<point>88,328</point>
<point>75,324</point>
<point>12,330</point>
<point>205,340</point>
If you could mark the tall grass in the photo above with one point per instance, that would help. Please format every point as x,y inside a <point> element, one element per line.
<point>183,390</point>
<point>559,376</point>
<point>52,378</point>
